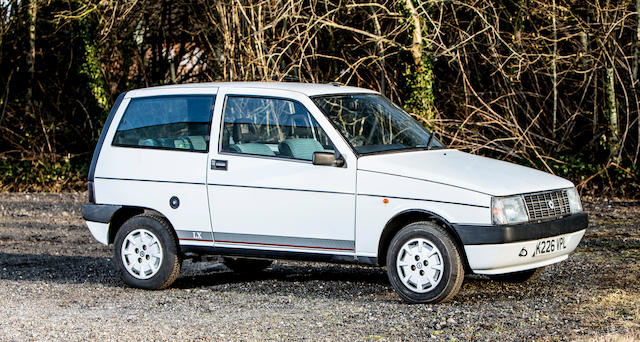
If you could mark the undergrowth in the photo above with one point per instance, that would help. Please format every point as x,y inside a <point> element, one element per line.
<point>50,173</point>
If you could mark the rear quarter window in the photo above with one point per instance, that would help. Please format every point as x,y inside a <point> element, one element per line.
<point>167,122</point>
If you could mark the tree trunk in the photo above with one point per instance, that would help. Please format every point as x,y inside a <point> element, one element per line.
<point>636,48</point>
<point>31,55</point>
<point>555,73</point>
<point>416,46</point>
<point>419,76</point>
<point>612,111</point>
<point>635,81</point>
<point>380,48</point>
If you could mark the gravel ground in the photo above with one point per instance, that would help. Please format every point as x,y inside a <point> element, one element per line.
<point>57,283</point>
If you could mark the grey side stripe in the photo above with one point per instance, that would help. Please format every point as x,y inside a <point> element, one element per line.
<point>190,235</point>
<point>284,241</point>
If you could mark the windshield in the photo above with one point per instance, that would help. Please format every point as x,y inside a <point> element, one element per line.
<point>372,123</point>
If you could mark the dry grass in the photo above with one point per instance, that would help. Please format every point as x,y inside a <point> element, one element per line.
<point>620,305</point>
<point>616,338</point>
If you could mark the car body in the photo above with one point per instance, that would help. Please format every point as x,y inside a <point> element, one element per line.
<point>268,170</point>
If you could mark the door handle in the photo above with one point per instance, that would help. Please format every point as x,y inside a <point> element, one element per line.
<point>217,164</point>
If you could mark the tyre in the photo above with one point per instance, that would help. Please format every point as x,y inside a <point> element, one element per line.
<point>246,265</point>
<point>518,277</point>
<point>146,252</point>
<point>424,264</point>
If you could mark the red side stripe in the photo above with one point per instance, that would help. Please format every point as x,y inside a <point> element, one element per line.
<point>273,244</point>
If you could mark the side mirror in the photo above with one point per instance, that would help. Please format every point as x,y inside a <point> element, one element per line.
<point>327,159</point>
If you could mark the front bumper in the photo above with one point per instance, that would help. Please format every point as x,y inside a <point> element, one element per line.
<point>485,235</point>
<point>512,248</point>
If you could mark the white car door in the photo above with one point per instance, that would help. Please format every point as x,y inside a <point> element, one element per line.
<point>264,191</point>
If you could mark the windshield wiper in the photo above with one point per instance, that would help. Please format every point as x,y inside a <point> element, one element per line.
<point>429,141</point>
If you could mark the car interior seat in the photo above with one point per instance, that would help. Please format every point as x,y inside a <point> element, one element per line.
<point>300,143</point>
<point>244,138</point>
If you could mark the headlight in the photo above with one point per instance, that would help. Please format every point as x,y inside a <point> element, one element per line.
<point>574,200</point>
<point>507,210</point>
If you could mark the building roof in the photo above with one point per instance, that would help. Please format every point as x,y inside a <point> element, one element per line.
<point>309,89</point>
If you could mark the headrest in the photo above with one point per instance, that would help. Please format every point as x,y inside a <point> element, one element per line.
<point>243,131</point>
<point>297,125</point>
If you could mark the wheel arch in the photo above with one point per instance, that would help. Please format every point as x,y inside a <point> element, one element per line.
<point>125,213</point>
<point>406,217</point>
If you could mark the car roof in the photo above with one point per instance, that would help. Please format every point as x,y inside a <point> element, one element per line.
<point>309,89</point>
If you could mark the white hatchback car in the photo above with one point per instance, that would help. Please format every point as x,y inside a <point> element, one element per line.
<point>261,171</point>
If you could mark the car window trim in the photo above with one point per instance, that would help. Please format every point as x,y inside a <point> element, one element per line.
<point>353,149</point>
<point>262,156</point>
<point>214,96</point>
<point>103,135</point>
<point>161,148</point>
<point>224,110</point>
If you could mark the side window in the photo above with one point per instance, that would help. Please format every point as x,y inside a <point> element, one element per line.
<point>271,127</point>
<point>167,122</point>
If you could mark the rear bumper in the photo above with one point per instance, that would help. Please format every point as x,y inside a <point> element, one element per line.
<point>99,212</point>
<point>98,217</point>
<point>100,231</point>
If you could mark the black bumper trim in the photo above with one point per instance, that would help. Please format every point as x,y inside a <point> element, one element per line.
<point>278,255</point>
<point>485,235</point>
<point>99,212</point>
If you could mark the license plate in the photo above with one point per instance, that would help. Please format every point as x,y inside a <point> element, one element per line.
<point>548,246</point>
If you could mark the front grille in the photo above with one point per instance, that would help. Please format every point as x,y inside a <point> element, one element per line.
<point>544,205</point>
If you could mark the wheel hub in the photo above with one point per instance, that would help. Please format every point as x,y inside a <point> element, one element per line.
<point>420,265</point>
<point>141,253</point>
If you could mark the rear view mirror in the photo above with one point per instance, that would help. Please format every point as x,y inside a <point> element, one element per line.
<point>327,159</point>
